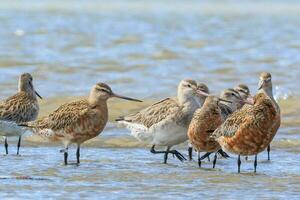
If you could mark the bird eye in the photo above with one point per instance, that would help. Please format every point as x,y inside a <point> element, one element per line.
<point>189,85</point>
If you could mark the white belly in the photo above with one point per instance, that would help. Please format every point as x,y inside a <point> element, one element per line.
<point>169,134</point>
<point>11,129</point>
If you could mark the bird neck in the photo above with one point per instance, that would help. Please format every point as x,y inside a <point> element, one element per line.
<point>26,89</point>
<point>190,104</point>
<point>268,91</point>
<point>97,103</point>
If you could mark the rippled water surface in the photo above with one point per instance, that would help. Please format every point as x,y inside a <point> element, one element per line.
<point>143,49</point>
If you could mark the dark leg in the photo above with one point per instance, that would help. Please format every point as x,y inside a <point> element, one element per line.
<point>65,151</point>
<point>205,156</point>
<point>19,144</point>
<point>78,154</point>
<point>199,159</point>
<point>215,160</point>
<point>190,150</point>
<point>66,157</point>
<point>178,155</point>
<point>208,158</point>
<point>6,145</point>
<point>255,163</point>
<point>223,154</point>
<point>269,149</point>
<point>246,158</point>
<point>239,164</point>
<point>166,155</point>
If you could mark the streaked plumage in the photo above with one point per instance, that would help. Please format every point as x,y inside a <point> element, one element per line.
<point>21,107</point>
<point>250,130</point>
<point>78,121</point>
<point>208,118</point>
<point>165,123</point>
<point>265,85</point>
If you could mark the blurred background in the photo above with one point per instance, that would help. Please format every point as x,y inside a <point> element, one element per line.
<point>143,49</point>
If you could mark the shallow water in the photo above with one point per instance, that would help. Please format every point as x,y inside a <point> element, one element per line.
<point>143,49</point>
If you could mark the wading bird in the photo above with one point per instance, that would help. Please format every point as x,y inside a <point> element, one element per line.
<point>208,118</point>
<point>165,123</point>
<point>21,107</point>
<point>78,121</point>
<point>251,129</point>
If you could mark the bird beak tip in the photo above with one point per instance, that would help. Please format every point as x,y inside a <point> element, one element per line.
<point>126,98</point>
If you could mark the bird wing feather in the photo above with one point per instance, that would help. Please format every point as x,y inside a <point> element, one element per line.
<point>67,115</point>
<point>12,110</point>
<point>155,113</point>
<point>233,123</point>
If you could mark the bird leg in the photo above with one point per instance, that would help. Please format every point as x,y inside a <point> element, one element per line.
<point>166,155</point>
<point>19,144</point>
<point>205,156</point>
<point>268,150</point>
<point>178,155</point>
<point>190,150</point>
<point>239,163</point>
<point>78,154</point>
<point>255,163</point>
<point>6,145</point>
<point>223,154</point>
<point>65,151</point>
<point>215,159</point>
<point>199,159</point>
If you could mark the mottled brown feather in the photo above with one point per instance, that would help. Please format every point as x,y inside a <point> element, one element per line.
<point>156,112</point>
<point>21,107</point>
<point>248,131</point>
<point>76,122</point>
<point>205,120</point>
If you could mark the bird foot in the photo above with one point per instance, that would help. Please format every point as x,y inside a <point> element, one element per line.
<point>223,154</point>
<point>178,155</point>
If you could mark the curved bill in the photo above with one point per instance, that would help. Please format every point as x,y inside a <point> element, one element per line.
<point>126,98</point>
<point>200,92</point>
<point>37,94</point>
<point>224,100</point>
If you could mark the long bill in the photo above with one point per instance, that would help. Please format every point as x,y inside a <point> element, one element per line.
<point>200,92</point>
<point>37,94</point>
<point>126,98</point>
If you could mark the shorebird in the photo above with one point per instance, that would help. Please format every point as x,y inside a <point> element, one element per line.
<point>244,92</point>
<point>208,118</point>
<point>204,88</point>
<point>266,86</point>
<point>165,123</point>
<point>21,107</point>
<point>78,121</point>
<point>250,130</point>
